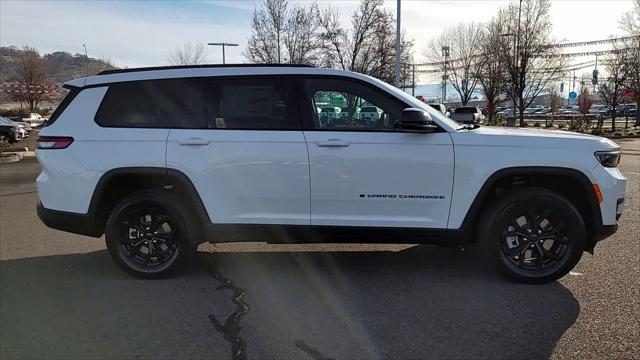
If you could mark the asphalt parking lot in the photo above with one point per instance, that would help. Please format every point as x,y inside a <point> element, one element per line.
<point>61,296</point>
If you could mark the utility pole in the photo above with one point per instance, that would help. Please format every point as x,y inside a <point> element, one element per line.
<point>398,44</point>
<point>445,53</point>
<point>517,68</point>
<point>87,57</point>
<point>413,81</point>
<point>223,44</point>
<point>574,81</point>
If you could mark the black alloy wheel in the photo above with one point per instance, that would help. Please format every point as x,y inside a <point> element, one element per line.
<point>534,235</point>
<point>148,236</point>
<point>534,240</point>
<point>150,233</point>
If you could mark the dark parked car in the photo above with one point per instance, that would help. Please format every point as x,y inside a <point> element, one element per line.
<point>9,131</point>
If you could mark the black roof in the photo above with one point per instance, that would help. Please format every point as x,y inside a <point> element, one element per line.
<point>120,71</point>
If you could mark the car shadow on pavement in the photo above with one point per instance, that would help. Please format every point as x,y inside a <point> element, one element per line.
<point>424,302</point>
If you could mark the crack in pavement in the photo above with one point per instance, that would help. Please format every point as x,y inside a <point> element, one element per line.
<point>230,329</point>
<point>314,353</point>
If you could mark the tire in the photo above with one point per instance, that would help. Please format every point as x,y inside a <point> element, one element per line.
<point>534,235</point>
<point>151,233</point>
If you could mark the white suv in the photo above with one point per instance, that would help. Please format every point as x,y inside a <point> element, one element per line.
<point>162,159</point>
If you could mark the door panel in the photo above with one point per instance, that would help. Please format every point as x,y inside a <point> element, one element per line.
<point>243,149</point>
<point>363,173</point>
<point>252,177</point>
<point>381,179</point>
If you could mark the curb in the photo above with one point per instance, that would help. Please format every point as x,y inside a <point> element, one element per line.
<point>10,158</point>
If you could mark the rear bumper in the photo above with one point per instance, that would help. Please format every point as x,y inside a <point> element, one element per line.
<point>81,224</point>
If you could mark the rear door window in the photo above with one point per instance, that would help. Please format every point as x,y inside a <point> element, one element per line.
<point>200,103</point>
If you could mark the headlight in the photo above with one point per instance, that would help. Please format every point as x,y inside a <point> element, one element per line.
<point>608,158</point>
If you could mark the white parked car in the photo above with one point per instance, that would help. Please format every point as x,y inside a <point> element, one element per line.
<point>33,119</point>
<point>370,113</point>
<point>599,109</point>
<point>441,108</point>
<point>344,113</point>
<point>160,161</point>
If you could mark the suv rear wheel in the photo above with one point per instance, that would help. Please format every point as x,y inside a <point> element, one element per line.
<point>535,235</point>
<point>149,233</point>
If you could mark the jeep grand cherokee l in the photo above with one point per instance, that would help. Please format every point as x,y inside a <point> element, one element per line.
<point>162,159</point>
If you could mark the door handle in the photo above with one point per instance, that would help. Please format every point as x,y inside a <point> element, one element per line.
<point>194,141</point>
<point>333,143</point>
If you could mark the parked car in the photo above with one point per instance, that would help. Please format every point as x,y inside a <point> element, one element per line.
<point>10,131</point>
<point>344,113</point>
<point>598,109</point>
<point>153,173</point>
<point>468,115</point>
<point>441,108</point>
<point>33,119</point>
<point>533,109</point>
<point>508,112</point>
<point>542,112</point>
<point>626,110</point>
<point>370,113</point>
<point>329,114</point>
<point>499,109</point>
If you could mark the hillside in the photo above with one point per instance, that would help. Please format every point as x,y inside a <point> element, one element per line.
<point>61,66</point>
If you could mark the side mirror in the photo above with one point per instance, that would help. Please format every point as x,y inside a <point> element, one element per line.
<point>416,120</point>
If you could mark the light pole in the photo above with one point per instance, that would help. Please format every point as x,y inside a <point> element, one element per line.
<point>515,69</point>
<point>445,53</point>
<point>87,57</point>
<point>398,45</point>
<point>223,44</point>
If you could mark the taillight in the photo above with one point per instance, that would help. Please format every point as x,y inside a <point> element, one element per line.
<point>54,142</point>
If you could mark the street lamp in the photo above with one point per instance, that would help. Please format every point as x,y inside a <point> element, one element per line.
<point>445,54</point>
<point>398,44</point>
<point>515,69</point>
<point>223,44</point>
<point>87,58</point>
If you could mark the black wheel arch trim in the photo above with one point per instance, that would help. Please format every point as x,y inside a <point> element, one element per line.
<point>171,175</point>
<point>92,223</point>
<point>599,231</point>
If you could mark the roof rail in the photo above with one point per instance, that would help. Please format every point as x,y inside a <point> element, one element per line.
<point>152,68</point>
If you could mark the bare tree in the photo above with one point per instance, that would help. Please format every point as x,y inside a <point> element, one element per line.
<point>534,63</point>
<point>459,49</point>
<point>188,54</point>
<point>491,71</point>
<point>555,100</point>
<point>613,88</point>
<point>32,76</point>
<point>280,34</point>
<point>368,46</point>
<point>630,23</point>
<point>301,41</point>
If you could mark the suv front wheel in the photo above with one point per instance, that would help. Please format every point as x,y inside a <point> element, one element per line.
<point>149,233</point>
<point>535,235</point>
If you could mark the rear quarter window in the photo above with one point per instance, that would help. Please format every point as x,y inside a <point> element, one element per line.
<point>61,107</point>
<point>149,104</point>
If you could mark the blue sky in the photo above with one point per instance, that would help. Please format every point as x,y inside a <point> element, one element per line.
<point>142,33</point>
